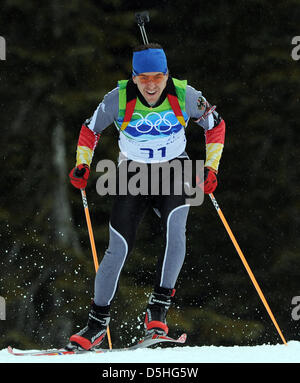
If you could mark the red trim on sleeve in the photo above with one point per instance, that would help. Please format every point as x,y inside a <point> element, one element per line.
<point>88,138</point>
<point>216,135</point>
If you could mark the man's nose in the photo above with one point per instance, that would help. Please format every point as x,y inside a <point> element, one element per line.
<point>151,82</point>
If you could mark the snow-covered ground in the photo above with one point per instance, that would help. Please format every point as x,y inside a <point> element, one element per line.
<point>279,353</point>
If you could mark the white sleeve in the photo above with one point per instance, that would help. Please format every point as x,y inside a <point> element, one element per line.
<point>200,110</point>
<point>106,112</point>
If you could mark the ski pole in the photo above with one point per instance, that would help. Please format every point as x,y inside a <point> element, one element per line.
<point>92,241</point>
<point>141,19</point>
<point>260,293</point>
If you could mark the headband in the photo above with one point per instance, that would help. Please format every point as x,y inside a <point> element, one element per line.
<point>149,60</point>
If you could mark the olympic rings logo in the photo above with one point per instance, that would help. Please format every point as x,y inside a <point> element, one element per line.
<point>161,123</point>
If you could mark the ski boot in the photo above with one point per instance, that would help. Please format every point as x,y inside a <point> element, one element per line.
<point>93,334</point>
<point>155,320</point>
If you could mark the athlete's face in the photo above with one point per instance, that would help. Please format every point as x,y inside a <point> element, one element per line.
<point>151,85</point>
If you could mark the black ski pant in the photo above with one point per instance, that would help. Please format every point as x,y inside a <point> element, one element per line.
<point>126,215</point>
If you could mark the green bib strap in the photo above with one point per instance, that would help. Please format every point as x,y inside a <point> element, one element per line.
<point>131,98</point>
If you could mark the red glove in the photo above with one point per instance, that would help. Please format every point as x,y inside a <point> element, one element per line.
<point>210,181</point>
<point>79,176</point>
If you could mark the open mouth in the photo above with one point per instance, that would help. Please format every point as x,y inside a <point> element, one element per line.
<point>151,92</point>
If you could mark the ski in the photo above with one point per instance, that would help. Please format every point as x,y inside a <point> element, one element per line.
<point>143,343</point>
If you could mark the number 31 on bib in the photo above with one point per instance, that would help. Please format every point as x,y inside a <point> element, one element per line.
<point>151,152</point>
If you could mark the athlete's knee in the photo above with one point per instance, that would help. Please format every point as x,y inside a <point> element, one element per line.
<point>177,218</point>
<point>118,244</point>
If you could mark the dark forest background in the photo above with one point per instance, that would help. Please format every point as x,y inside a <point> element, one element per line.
<point>62,57</point>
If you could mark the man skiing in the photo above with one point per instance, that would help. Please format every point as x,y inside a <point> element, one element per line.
<point>151,111</point>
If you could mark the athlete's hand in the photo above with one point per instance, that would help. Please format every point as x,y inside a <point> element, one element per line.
<point>79,176</point>
<point>210,181</point>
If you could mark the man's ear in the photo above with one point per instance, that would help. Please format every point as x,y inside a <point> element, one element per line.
<point>134,79</point>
